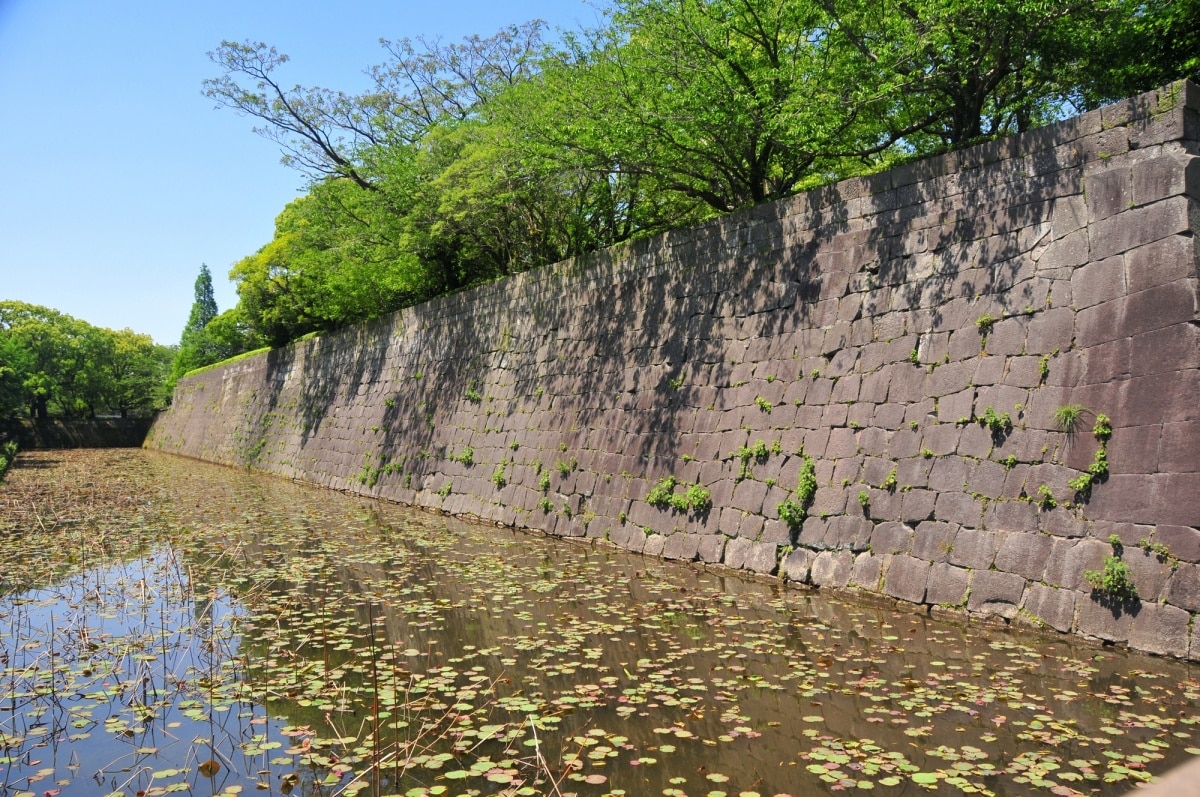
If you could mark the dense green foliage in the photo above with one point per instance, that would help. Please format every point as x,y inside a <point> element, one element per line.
<point>53,364</point>
<point>8,452</point>
<point>209,337</point>
<point>474,160</point>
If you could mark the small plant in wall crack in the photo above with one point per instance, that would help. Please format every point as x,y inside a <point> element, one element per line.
<point>985,323</point>
<point>757,452</point>
<point>465,457</point>
<point>1067,417</point>
<point>696,498</point>
<point>1114,582</point>
<point>1160,550</point>
<point>998,423</point>
<point>1098,469</point>
<point>793,509</point>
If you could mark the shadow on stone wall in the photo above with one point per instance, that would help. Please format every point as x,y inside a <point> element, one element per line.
<point>93,433</point>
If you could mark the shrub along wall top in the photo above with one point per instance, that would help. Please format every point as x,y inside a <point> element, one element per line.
<point>971,382</point>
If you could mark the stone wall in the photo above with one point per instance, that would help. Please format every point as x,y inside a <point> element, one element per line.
<point>937,343</point>
<point>83,433</point>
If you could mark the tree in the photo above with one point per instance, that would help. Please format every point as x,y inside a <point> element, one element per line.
<point>65,363</point>
<point>230,334</point>
<point>15,362</point>
<point>195,349</point>
<point>961,71</point>
<point>1153,42</point>
<point>329,134</point>
<point>472,160</point>
<point>336,258</point>
<point>137,367</point>
<point>727,102</point>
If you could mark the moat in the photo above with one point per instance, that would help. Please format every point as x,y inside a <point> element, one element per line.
<point>173,626</point>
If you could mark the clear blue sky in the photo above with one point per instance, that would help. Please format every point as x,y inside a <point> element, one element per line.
<point>120,178</point>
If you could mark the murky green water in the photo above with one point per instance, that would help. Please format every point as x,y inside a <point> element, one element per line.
<point>213,631</point>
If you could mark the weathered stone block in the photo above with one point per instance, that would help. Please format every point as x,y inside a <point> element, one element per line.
<point>1108,192</point>
<point>1069,558</point>
<point>995,593</point>
<point>848,532</point>
<point>891,538</point>
<point>1105,621</point>
<point>1020,516</point>
<point>1051,331</point>
<point>956,405</point>
<point>1159,263</point>
<point>947,585</point>
<point>711,548</point>
<point>1052,606</point>
<point>1183,542</point>
<point>1025,554</point>
<point>1137,227</point>
<point>989,371</point>
<point>1159,178</point>
<point>959,508</point>
<point>867,571</point>
<point>1007,337</point>
<point>737,551</point>
<point>933,540</point>
<point>1149,573</point>
<point>681,546</point>
<point>654,545</point>
<point>974,548</point>
<point>950,474</point>
<point>907,579</point>
<point>832,568</point>
<point>1160,629</point>
<point>795,566</point>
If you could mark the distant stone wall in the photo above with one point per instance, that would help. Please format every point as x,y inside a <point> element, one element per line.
<point>914,335</point>
<point>79,433</point>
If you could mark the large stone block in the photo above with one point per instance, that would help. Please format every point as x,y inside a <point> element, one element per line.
<point>1179,451</point>
<point>891,538</point>
<point>947,585</point>
<point>933,540</point>
<point>974,548</point>
<point>917,505</point>
<point>867,571</point>
<point>1182,542</point>
<point>1160,629</point>
<point>1070,558</point>
<point>959,508</point>
<point>795,566</point>
<point>1051,331</point>
<point>995,593</point>
<point>1052,606</point>
<point>1108,192</point>
<point>711,548</point>
<point>832,568</point>
<point>907,578</point>
<point>1139,226</point>
<point>1025,554</point>
<point>1159,263</point>
<point>1104,620</point>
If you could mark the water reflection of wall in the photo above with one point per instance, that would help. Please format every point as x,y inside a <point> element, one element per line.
<point>914,333</point>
